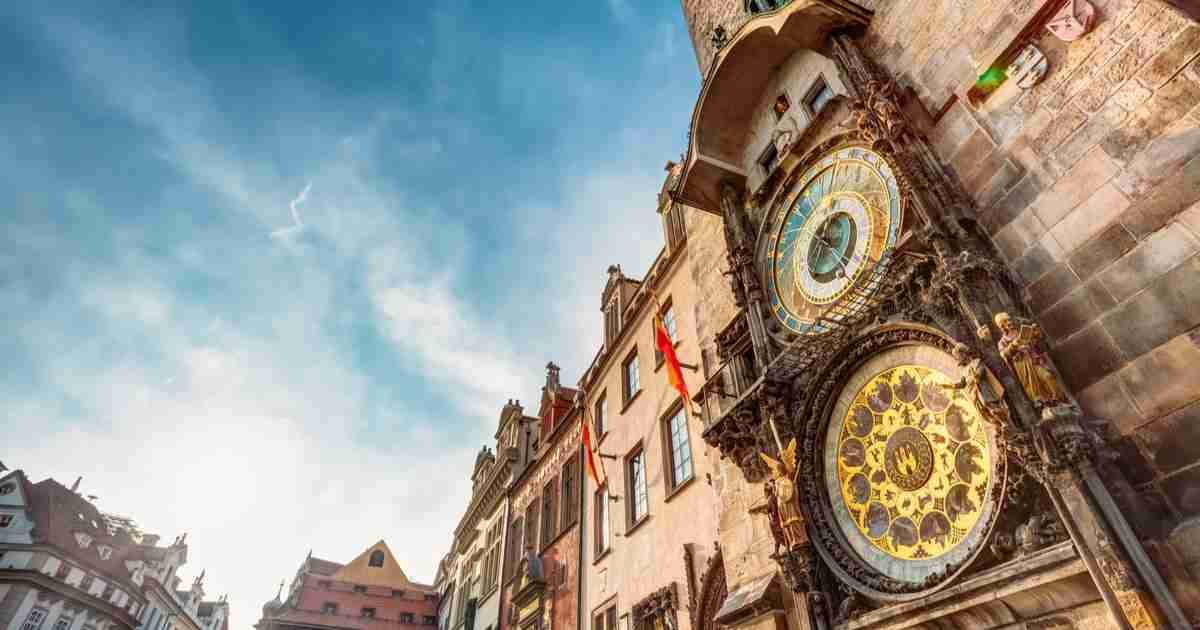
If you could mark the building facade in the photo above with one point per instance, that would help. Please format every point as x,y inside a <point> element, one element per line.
<point>65,565</point>
<point>651,527</point>
<point>541,588</point>
<point>954,380</point>
<point>371,592</point>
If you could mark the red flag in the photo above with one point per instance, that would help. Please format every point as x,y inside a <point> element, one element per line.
<point>674,371</point>
<point>590,451</point>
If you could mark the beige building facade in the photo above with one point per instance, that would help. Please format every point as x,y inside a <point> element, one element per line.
<point>651,529</point>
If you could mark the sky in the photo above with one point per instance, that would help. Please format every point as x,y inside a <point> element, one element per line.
<point>270,270</point>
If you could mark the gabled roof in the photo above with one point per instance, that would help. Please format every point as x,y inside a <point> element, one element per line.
<point>323,567</point>
<point>58,514</point>
<point>359,571</point>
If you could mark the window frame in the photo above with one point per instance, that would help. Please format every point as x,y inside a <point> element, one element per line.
<point>600,415</point>
<point>633,519</point>
<point>367,612</point>
<point>601,522</point>
<point>668,434</point>
<point>569,493</point>
<point>534,510</point>
<point>819,84</point>
<point>329,608</point>
<point>668,308</point>
<point>628,391</point>
<point>549,525</point>
<point>33,624</point>
<point>378,553</point>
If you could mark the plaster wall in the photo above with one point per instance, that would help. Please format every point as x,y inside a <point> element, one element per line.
<point>648,556</point>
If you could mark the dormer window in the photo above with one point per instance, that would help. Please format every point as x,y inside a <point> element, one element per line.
<point>7,488</point>
<point>376,559</point>
<point>817,97</point>
<point>84,540</point>
<point>105,551</point>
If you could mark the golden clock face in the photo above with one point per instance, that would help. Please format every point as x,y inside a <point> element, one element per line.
<point>913,463</point>
<point>843,218</point>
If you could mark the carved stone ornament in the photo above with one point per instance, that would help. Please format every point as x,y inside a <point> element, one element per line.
<point>977,507</point>
<point>713,591</point>
<point>657,610</point>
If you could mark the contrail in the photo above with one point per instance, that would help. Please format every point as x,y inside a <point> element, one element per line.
<point>297,223</point>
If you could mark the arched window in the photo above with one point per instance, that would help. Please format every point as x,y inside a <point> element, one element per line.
<point>376,559</point>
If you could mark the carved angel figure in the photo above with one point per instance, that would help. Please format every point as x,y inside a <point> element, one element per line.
<point>982,386</point>
<point>1019,346</point>
<point>787,500</point>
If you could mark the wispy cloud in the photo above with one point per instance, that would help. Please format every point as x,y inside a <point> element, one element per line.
<point>621,11</point>
<point>297,222</point>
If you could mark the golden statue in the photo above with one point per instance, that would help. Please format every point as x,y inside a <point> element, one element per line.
<point>1019,346</point>
<point>982,386</point>
<point>787,504</point>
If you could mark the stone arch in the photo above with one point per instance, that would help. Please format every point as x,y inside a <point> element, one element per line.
<point>713,591</point>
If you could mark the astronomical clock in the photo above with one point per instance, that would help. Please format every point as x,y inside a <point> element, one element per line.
<point>903,471</point>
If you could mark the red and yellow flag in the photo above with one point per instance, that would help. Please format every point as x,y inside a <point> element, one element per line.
<point>662,339</point>
<point>590,450</point>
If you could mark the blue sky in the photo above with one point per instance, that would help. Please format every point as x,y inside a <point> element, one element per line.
<point>269,272</point>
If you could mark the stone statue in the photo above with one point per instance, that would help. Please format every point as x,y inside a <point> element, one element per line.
<point>1019,346</point>
<point>1039,531</point>
<point>982,386</point>
<point>533,565</point>
<point>787,503</point>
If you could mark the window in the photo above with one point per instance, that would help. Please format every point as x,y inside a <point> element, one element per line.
<point>86,583</point>
<point>549,511</point>
<point>7,488</point>
<point>63,622</point>
<point>105,551</point>
<point>369,613</point>
<point>83,540</point>
<point>635,476</point>
<point>406,617</point>
<point>602,533</point>
<point>605,619</point>
<point>376,559</point>
<point>360,589</point>
<point>491,567</point>
<point>329,608</point>
<point>397,593</point>
<point>6,520</point>
<point>762,6</point>
<point>570,486</point>
<point>531,520</point>
<point>631,379</point>
<point>430,597</point>
<point>679,448</point>
<point>34,620</point>
<point>769,158</point>
<point>601,416</point>
<point>514,546</point>
<point>612,321</point>
<point>430,620</point>
<point>324,583</point>
<point>818,95</point>
<point>668,320</point>
<point>109,589</point>
<point>63,571</point>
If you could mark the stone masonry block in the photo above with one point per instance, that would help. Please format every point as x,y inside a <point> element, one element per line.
<point>1165,201</point>
<point>1096,254</point>
<point>1166,379</point>
<point>1171,60</point>
<point>1155,256</point>
<point>1051,287</point>
<point>1090,217</point>
<point>1089,134</point>
<point>1168,307</point>
<point>1087,176</point>
<point>1183,491</point>
<point>1011,204</point>
<point>1068,120</point>
<point>1167,106</point>
<point>1137,20</point>
<point>1070,314</point>
<point>952,131</point>
<point>1162,158</point>
<point>973,151</point>
<point>1087,356</point>
<point>1107,398</point>
<point>999,183</point>
<point>1033,264</point>
<point>1131,95</point>
<point>1022,232</point>
<point>1173,441</point>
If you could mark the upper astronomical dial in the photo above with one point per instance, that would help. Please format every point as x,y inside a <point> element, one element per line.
<point>843,218</point>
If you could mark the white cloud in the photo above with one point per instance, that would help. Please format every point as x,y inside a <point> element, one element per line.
<point>297,222</point>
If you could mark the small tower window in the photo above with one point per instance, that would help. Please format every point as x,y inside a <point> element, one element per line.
<point>782,105</point>
<point>376,559</point>
<point>818,95</point>
<point>762,6</point>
